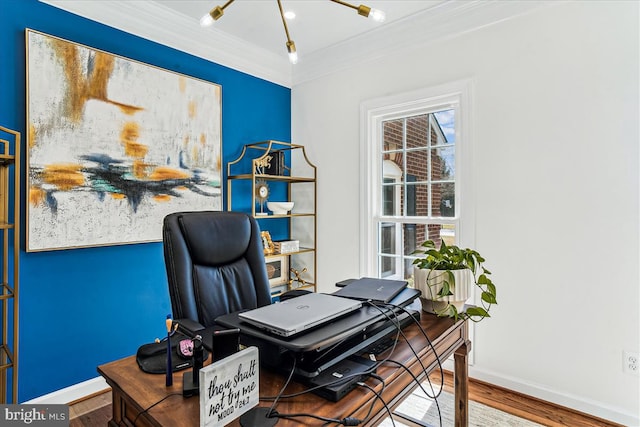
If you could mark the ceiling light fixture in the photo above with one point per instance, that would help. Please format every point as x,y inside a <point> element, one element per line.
<point>366,11</point>
<point>215,14</point>
<point>291,46</point>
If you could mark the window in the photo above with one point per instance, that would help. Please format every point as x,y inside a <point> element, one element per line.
<point>412,182</point>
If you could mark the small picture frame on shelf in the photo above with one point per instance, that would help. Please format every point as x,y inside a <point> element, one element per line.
<point>277,270</point>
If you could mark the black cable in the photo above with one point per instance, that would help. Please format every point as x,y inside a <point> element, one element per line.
<point>158,402</point>
<point>273,413</point>
<point>431,346</point>
<point>362,384</point>
<point>384,384</point>
<point>286,383</point>
<point>435,395</point>
<point>347,421</point>
<point>415,379</point>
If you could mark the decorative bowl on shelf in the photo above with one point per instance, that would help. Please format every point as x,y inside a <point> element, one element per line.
<point>280,208</point>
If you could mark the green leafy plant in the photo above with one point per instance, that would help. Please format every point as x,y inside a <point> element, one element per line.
<point>445,260</point>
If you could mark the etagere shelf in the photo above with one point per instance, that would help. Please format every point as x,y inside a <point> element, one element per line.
<point>274,170</point>
<point>10,230</point>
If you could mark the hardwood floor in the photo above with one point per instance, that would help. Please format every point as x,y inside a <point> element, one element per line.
<point>527,407</point>
<point>96,410</point>
<point>92,411</point>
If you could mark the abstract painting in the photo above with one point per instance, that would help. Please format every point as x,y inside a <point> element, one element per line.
<point>113,146</point>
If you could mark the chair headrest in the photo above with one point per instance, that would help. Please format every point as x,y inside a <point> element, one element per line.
<point>215,238</point>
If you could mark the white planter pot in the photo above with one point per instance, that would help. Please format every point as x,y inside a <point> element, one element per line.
<point>429,282</point>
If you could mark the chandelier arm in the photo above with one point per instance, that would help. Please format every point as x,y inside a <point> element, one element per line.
<point>345,4</point>
<point>362,9</point>
<point>227,4</point>
<point>284,21</point>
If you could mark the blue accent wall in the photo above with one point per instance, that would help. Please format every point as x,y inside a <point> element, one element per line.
<point>80,308</point>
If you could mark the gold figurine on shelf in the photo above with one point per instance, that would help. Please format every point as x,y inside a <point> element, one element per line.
<point>269,247</point>
<point>297,278</point>
<point>262,164</point>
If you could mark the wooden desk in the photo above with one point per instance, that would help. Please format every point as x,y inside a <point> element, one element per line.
<point>134,391</point>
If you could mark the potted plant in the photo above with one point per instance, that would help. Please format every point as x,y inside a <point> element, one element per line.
<point>445,276</point>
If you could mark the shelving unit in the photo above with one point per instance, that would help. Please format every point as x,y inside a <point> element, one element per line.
<point>289,176</point>
<point>10,229</point>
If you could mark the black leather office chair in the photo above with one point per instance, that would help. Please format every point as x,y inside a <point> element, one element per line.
<point>215,265</point>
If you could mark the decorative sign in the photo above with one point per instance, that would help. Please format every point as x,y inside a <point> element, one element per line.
<point>229,388</point>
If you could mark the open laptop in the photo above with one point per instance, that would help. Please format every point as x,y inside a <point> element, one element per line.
<point>372,289</point>
<point>299,314</point>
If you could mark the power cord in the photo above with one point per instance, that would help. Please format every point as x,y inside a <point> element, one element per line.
<point>434,395</point>
<point>373,402</point>
<point>379,397</point>
<point>157,403</point>
<point>286,383</point>
<point>431,346</point>
<point>348,421</point>
<point>417,381</point>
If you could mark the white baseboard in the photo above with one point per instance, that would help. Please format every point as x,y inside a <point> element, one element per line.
<point>587,406</point>
<point>72,393</point>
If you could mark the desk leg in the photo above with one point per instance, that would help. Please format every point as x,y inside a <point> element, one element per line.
<point>461,385</point>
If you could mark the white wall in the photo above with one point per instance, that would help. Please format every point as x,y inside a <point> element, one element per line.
<point>556,179</point>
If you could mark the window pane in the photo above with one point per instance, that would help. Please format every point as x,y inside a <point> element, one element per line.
<point>389,199</point>
<point>417,200</point>
<point>440,232</point>
<point>417,164</point>
<point>388,246</point>
<point>443,166</point>
<point>392,135</point>
<point>417,131</point>
<point>388,238</point>
<point>446,120</point>
<point>413,237</point>
<point>443,200</point>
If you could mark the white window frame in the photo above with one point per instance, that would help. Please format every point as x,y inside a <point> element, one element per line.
<point>372,114</point>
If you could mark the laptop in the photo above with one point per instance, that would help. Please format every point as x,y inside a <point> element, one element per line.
<point>372,289</point>
<point>299,314</point>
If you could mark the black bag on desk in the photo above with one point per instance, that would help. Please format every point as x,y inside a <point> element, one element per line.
<point>152,358</point>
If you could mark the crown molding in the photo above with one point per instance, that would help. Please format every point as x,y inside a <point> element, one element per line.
<point>446,20</point>
<point>162,25</point>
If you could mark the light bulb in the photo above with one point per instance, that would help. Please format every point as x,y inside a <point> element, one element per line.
<point>213,15</point>
<point>206,20</point>
<point>377,15</point>
<point>293,55</point>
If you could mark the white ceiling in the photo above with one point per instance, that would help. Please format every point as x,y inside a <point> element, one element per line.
<point>250,37</point>
<point>317,25</point>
